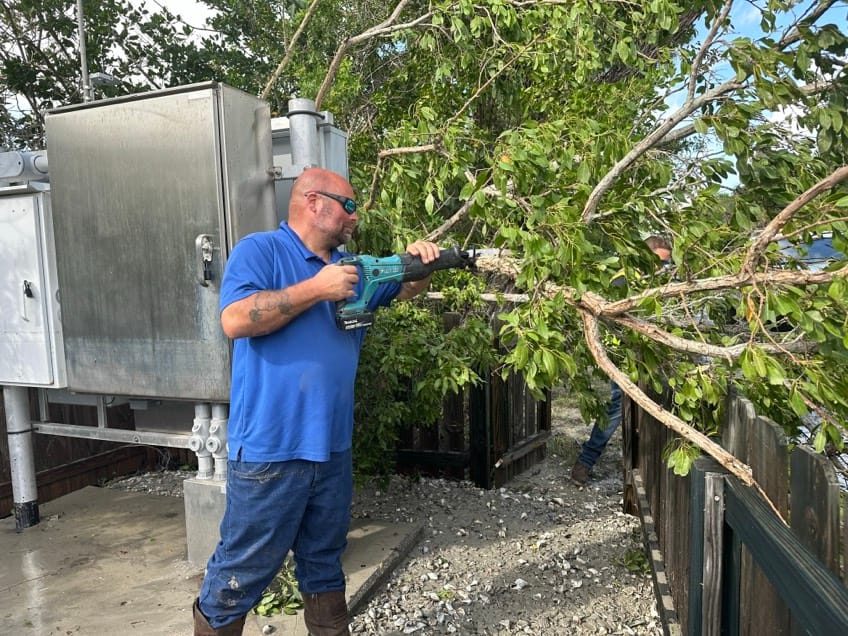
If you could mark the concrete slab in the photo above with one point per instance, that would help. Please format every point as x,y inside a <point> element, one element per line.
<point>106,562</point>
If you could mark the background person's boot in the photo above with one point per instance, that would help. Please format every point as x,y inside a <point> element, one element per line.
<point>325,613</point>
<point>203,628</point>
<point>580,474</point>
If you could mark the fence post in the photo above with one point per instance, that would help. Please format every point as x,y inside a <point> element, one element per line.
<point>480,468</point>
<point>706,543</point>
<point>630,451</point>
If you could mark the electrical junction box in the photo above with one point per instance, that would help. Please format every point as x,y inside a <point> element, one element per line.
<point>150,192</point>
<point>31,344</point>
<point>331,154</point>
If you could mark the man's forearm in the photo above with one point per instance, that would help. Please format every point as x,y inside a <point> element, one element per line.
<point>267,311</point>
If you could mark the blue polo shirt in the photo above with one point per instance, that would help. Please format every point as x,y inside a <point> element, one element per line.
<point>292,390</point>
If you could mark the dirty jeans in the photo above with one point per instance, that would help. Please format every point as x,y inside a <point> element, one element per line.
<point>271,508</point>
<point>600,436</point>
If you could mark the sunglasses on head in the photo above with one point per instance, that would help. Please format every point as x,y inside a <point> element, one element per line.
<point>348,204</point>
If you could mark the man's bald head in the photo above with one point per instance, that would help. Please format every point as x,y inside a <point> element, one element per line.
<point>315,212</point>
<point>312,179</point>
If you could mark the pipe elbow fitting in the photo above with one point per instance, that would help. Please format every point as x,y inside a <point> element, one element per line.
<point>214,445</point>
<point>197,444</point>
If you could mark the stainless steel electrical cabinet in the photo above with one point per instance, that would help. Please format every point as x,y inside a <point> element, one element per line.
<point>149,194</point>
<point>31,352</point>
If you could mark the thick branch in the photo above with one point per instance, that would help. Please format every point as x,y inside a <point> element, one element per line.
<point>593,340</point>
<point>596,306</point>
<point>771,277</point>
<point>654,138</point>
<point>776,224</point>
<point>458,215</point>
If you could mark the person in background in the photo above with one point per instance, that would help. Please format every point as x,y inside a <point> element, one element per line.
<point>600,436</point>
<point>289,472</point>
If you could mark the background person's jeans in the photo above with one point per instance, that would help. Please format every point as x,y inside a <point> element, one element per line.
<point>592,448</point>
<point>274,507</point>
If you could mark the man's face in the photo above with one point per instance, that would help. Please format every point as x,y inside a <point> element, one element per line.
<point>663,254</point>
<point>336,223</point>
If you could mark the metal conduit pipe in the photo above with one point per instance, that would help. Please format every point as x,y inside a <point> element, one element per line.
<point>21,166</point>
<point>217,442</point>
<point>200,436</point>
<point>21,457</point>
<point>303,133</point>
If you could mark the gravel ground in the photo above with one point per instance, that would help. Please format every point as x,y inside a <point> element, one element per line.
<point>539,556</point>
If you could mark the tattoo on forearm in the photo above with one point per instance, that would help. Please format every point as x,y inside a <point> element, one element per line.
<point>260,305</point>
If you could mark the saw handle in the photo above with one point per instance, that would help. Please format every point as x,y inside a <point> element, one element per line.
<point>414,269</point>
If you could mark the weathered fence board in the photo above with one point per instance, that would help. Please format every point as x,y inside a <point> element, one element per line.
<point>845,543</point>
<point>630,450</point>
<point>814,497</point>
<point>706,488</point>
<point>721,576</point>
<point>769,461</point>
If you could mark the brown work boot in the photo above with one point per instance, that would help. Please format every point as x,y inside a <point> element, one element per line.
<point>203,628</point>
<point>325,613</point>
<point>580,474</point>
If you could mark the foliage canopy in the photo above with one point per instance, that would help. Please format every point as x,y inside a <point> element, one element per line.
<point>564,133</point>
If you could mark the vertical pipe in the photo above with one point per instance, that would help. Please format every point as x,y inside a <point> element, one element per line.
<point>21,457</point>
<point>217,442</point>
<point>86,84</point>
<point>303,133</point>
<point>199,437</point>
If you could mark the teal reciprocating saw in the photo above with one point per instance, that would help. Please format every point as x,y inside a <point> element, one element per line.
<point>399,268</point>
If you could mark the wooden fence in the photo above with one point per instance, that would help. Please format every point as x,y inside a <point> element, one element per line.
<point>725,563</point>
<point>488,434</point>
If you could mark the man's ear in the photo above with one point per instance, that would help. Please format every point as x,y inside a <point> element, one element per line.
<point>311,202</point>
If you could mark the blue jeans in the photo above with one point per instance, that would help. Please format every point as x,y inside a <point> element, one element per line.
<point>271,508</point>
<point>592,448</point>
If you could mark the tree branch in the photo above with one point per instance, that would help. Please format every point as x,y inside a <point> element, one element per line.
<point>772,277</point>
<point>774,226</point>
<point>655,137</point>
<point>690,105</point>
<point>276,74</point>
<point>737,468</point>
<point>686,345</point>
<point>458,215</point>
<point>593,340</point>
<point>384,28</point>
<point>705,45</point>
<point>390,152</point>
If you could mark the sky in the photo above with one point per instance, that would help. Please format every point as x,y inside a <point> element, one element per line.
<point>192,12</point>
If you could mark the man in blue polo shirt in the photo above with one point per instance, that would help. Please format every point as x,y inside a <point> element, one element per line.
<point>289,476</point>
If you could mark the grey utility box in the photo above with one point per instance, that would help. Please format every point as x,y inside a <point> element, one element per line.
<point>330,152</point>
<point>31,347</point>
<point>150,192</point>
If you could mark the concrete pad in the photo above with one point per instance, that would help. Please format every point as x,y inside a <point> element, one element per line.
<point>105,562</point>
